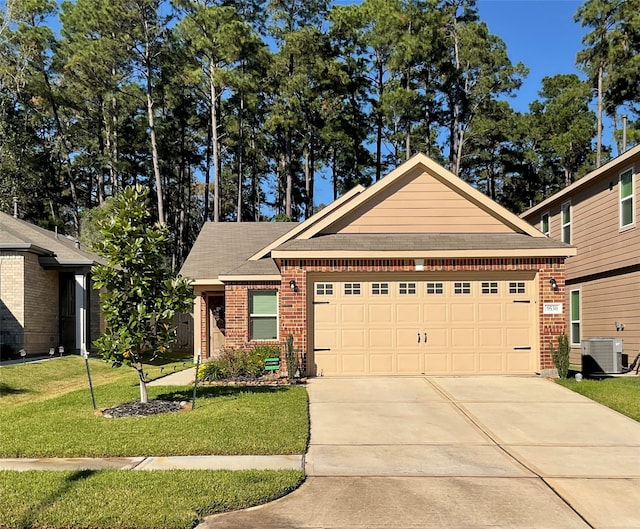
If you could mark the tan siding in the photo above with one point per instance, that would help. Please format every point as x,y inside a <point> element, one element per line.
<point>606,301</point>
<point>421,203</point>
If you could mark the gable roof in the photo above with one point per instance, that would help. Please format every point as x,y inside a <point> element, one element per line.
<point>54,250</point>
<point>583,182</point>
<point>407,170</point>
<point>223,247</point>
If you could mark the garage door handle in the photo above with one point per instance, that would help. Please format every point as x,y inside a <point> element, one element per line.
<point>426,338</point>
<point>522,348</point>
<point>418,336</point>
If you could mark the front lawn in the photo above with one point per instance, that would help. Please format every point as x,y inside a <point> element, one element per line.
<point>226,420</point>
<point>618,393</point>
<point>45,379</point>
<point>115,499</point>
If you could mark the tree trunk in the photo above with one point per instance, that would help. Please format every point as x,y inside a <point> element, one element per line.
<point>215,144</point>
<point>599,112</point>
<point>144,397</point>
<point>240,158</point>
<point>379,122</point>
<point>154,146</point>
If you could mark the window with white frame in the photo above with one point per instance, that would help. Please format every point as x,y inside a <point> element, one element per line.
<point>489,287</point>
<point>626,199</point>
<point>565,215</point>
<point>379,288</point>
<point>435,288</point>
<point>544,224</point>
<point>324,289</point>
<point>517,287</point>
<point>462,288</point>
<point>352,289</point>
<point>263,315</point>
<point>574,309</point>
<point>406,288</point>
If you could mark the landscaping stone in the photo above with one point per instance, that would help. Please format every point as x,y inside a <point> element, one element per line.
<point>139,409</point>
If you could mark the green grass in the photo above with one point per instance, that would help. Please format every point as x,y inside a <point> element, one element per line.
<point>618,393</point>
<point>114,499</point>
<point>226,420</point>
<point>41,380</point>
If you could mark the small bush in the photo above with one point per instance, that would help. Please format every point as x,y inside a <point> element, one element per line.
<point>238,363</point>
<point>212,370</point>
<point>560,356</point>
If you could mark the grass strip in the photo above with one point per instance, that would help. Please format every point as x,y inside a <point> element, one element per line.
<point>119,499</point>
<point>50,378</point>
<point>618,393</point>
<point>226,420</point>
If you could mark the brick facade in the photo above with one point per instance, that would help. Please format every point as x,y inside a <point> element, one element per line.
<point>11,302</point>
<point>293,305</point>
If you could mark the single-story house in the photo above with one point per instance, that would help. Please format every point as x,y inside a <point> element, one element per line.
<point>599,214</point>
<point>46,299</point>
<point>418,274</point>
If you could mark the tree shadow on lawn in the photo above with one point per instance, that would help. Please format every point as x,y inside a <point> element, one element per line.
<point>211,392</point>
<point>6,389</point>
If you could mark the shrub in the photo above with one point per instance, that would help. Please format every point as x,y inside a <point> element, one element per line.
<point>212,370</point>
<point>560,356</point>
<point>236,363</point>
<point>291,358</point>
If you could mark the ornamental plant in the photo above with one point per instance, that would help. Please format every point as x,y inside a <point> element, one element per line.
<point>139,295</point>
<point>560,356</point>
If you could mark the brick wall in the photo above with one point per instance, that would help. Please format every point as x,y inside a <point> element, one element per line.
<point>11,301</point>
<point>41,308</point>
<point>293,304</point>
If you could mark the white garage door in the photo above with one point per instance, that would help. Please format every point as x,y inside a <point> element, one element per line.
<point>436,326</point>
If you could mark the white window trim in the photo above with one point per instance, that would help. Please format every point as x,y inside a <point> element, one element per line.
<point>563,224</point>
<point>571,320</point>
<point>251,316</point>
<point>631,198</point>
<point>548,215</point>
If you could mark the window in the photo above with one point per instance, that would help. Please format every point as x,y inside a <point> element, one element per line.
<point>490,287</point>
<point>324,289</point>
<point>435,288</point>
<point>544,223</point>
<point>574,299</point>
<point>263,315</point>
<point>352,289</point>
<point>462,288</point>
<point>565,215</point>
<point>517,287</point>
<point>379,288</point>
<point>407,288</point>
<point>626,198</point>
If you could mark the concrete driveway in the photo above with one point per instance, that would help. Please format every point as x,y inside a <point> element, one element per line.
<point>458,453</point>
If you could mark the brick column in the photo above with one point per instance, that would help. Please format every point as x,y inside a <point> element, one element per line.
<point>551,325</point>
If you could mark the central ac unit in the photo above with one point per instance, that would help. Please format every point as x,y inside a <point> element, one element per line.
<point>602,355</point>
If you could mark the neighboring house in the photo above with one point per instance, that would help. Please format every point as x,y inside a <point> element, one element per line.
<point>46,299</point>
<point>419,273</point>
<point>599,215</point>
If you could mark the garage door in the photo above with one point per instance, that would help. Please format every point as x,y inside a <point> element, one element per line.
<point>406,326</point>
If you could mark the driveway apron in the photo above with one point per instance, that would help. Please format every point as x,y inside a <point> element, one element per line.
<point>458,453</point>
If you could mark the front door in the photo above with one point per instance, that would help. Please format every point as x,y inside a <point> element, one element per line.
<point>68,312</point>
<point>216,324</point>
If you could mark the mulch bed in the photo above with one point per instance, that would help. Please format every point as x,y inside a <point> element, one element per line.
<point>138,409</point>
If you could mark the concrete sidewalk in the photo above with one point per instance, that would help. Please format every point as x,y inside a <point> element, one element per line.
<point>458,453</point>
<point>274,462</point>
<point>179,378</point>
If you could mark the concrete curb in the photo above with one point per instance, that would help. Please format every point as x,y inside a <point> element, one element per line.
<point>275,462</point>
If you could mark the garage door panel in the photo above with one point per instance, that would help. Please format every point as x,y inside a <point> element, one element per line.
<point>408,313</point>
<point>352,339</point>
<point>436,312</point>
<point>490,312</point>
<point>491,363</point>
<point>353,364</point>
<point>409,363</point>
<point>463,312</point>
<point>381,313</point>
<point>490,337</point>
<point>381,364</point>
<point>352,314</point>
<point>463,337</point>
<point>425,326</point>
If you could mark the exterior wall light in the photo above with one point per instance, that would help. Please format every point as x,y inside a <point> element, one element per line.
<point>619,326</point>
<point>553,283</point>
<point>293,285</point>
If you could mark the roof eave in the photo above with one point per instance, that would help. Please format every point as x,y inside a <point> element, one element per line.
<point>26,247</point>
<point>250,277</point>
<point>425,254</point>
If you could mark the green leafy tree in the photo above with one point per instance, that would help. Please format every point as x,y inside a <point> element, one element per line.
<point>139,296</point>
